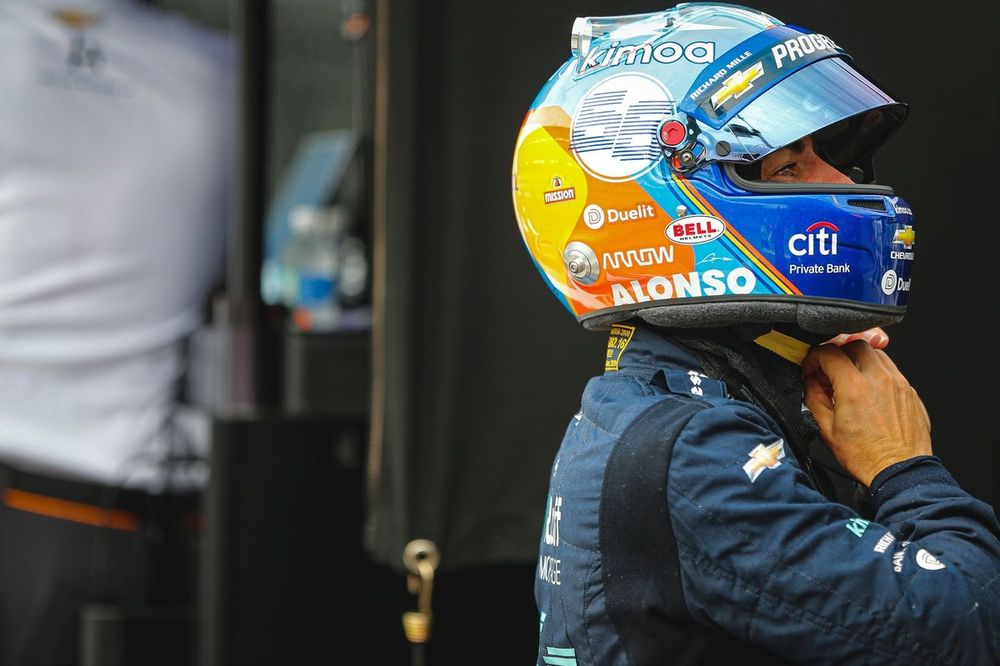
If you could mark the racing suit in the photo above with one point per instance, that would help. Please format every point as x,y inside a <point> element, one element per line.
<point>686,526</point>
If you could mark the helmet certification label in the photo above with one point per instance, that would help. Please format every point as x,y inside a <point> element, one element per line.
<point>618,340</point>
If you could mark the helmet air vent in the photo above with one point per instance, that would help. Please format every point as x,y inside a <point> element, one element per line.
<point>870,204</point>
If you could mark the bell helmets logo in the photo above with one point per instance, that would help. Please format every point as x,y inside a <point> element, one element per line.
<point>695,229</point>
<point>819,238</point>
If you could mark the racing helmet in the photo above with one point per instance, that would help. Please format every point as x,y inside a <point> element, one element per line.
<point>636,177</point>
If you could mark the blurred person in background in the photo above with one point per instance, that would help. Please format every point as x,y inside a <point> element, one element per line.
<point>115,128</point>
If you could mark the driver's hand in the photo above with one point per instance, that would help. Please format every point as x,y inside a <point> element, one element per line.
<point>868,414</point>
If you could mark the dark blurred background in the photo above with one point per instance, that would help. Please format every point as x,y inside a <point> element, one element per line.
<point>475,368</point>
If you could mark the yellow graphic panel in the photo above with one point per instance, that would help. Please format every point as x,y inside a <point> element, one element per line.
<point>550,189</point>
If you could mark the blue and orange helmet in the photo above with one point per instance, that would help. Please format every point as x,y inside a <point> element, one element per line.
<point>636,177</point>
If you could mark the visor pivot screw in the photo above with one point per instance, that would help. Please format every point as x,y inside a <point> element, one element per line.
<point>686,158</point>
<point>682,210</point>
<point>581,262</point>
<point>722,148</point>
<point>673,133</point>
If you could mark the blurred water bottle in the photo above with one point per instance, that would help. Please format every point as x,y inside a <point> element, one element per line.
<point>353,271</point>
<point>311,264</point>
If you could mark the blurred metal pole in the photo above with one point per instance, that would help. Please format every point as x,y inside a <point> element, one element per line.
<point>251,21</point>
<point>238,321</point>
<point>243,313</point>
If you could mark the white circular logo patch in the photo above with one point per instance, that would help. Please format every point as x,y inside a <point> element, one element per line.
<point>593,216</point>
<point>927,561</point>
<point>889,282</point>
<point>613,134</point>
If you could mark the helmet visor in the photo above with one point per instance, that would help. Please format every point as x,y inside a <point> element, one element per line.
<point>813,98</point>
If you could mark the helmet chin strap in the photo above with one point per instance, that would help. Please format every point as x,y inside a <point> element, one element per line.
<point>789,348</point>
<point>791,344</point>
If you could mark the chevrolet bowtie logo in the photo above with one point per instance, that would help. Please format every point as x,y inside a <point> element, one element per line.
<point>737,84</point>
<point>764,457</point>
<point>907,236</point>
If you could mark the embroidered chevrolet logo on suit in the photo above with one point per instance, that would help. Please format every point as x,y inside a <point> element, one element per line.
<point>764,457</point>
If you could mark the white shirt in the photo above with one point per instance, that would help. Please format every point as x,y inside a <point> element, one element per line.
<point>115,126</point>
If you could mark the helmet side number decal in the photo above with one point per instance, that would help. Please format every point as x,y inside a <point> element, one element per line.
<point>614,131</point>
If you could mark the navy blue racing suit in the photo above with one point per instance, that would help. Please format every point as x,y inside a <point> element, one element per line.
<point>744,549</point>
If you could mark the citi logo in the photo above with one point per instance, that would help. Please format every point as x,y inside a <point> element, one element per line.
<point>819,238</point>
